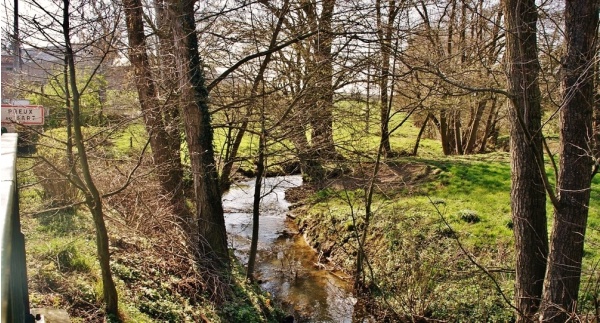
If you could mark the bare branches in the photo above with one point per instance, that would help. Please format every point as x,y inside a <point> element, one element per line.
<point>257,55</point>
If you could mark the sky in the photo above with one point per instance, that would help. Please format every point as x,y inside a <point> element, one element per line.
<point>7,17</point>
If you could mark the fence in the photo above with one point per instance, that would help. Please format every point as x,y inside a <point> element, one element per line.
<point>14,296</point>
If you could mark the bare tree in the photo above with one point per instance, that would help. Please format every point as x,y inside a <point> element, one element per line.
<point>384,35</point>
<point>166,156</point>
<point>262,144</point>
<point>456,52</point>
<point>93,199</point>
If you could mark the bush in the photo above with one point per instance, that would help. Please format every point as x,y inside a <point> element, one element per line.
<point>469,216</point>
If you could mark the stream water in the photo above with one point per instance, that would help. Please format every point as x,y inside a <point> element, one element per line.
<point>286,266</point>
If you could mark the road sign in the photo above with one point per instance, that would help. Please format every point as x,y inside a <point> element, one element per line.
<point>23,114</point>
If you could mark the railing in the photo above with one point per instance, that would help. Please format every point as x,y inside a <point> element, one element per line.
<point>14,296</point>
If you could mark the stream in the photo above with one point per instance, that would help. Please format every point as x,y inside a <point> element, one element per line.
<point>286,266</point>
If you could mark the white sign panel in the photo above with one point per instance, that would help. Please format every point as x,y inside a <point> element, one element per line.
<point>23,114</point>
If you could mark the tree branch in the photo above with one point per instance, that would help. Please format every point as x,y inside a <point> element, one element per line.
<point>248,58</point>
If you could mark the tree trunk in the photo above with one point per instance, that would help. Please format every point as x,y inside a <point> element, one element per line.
<point>416,147</point>
<point>596,142</point>
<point>310,163</point>
<point>169,89</point>
<point>323,133</point>
<point>443,129</point>
<point>563,277</point>
<point>260,170</point>
<point>233,151</point>
<point>92,196</point>
<point>457,129</point>
<point>474,128</point>
<point>489,125</point>
<point>321,69</point>
<point>384,34</point>
<point>262,146</point>
<point>528,197</point>
<point>199,137</point>
<point>168,168</point>
<point>69,119</point>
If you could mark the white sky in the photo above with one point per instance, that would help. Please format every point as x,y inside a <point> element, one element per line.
<point>25,8</point>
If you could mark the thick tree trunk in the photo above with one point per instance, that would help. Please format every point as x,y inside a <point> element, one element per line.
<point>168,89</point>
<point>310,163</point>
<point>561,286</point>
<point>321,69</point>
<point>199,137</point>
<point>323,134</point>
<point>167,161</point>
<point>528,197</point>
<point>443,129</point>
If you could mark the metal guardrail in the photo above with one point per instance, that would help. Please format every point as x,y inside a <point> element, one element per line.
<point>14,295</point>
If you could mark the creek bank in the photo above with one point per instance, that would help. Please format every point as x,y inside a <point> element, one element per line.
<point>330,226</point>
<point>327,239</point>
<point>416,272</point>
<point>335,243</point>
<point>334,238</point>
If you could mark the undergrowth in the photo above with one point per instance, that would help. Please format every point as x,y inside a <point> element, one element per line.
<point>153,265</point>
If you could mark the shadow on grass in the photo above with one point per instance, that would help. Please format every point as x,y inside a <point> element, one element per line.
<point>468,173</point>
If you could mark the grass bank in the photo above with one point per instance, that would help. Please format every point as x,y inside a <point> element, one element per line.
<point>435,221</point>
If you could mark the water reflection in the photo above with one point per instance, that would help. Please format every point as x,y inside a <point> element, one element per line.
<point>286,265</point>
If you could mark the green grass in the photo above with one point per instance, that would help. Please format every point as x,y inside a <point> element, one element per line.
<point>130,141</point>
<point>471,194</point>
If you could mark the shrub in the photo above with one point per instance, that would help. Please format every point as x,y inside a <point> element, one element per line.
<point>469,216</point>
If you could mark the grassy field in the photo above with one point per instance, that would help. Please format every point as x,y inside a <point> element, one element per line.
<point>420,236</point>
